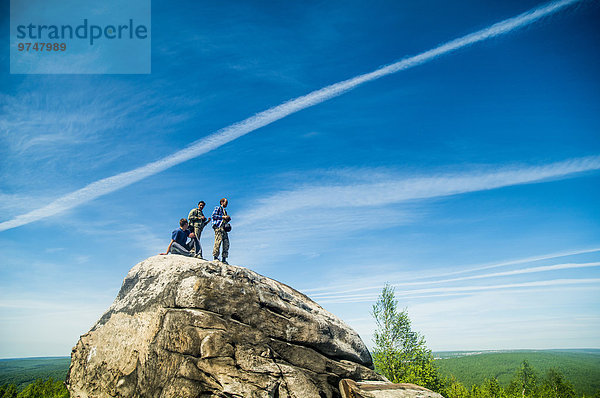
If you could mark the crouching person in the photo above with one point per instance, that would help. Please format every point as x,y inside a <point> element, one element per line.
<point>179,243</point>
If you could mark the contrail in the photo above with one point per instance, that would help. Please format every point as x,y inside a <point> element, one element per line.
<point>380,282</point>
<point>391,190</point>
<point>464,290</point>
<point>530,270</point>
<point>230,133</point>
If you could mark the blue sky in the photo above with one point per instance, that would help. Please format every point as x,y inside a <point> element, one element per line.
<point>471,181</point>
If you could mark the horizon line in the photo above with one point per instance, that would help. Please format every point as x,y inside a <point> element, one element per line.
<point>484,351</point>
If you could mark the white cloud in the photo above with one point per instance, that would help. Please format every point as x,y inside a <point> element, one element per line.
<point>442,291</point>
<point>401,189</point>
<point>332,210</point>
<point>362,282</point>
<point>497,319</point>
<point>529,270</point>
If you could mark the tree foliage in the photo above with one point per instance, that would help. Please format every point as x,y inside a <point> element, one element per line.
<point>525,383</point>
<point>580,367</point>
<point>400,353</point>
<point>38,389</point>
<point>8,391</point>
<point>456,389</point>
<point>556,386</point>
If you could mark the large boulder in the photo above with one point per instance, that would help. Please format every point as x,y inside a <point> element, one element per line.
<point>184,327</point>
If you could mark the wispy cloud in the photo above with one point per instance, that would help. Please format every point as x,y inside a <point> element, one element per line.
<point>232,132</point>
<point>55,119</point>
<point>255,237</point>
<point>372,285</point>
<point>379,280</point>
<point>502,318</point>
<point>353,205</point>
<point>529,270</point>
<point>395,190</point>
<point>440,291</point>
<point>32,122</point>
<point>10,203</point>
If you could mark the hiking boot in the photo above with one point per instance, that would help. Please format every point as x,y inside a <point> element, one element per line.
<point>199,256</point>
<point>215,258</point>
<point>224,261</point>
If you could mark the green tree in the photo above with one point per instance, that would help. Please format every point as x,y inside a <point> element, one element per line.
<point>524,382</point>
<point>455,389</point>
<point>44,389</point>
<point>556,386</point>
<point>8,391</point>
<point>491,388</point>
<point>476,391</point>
<point>401,354</point>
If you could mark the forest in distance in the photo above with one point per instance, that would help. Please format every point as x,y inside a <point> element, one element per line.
<point>471,368</point>
<point>402,356</point>
<point>580,367</point>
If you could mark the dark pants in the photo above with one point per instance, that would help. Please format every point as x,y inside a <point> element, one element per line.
<point>193,244</point>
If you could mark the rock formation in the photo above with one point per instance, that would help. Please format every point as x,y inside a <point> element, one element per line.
<point>380,389</point>
<point>183,327</point>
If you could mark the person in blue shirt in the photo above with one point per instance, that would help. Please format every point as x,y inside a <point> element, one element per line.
<point>221,226</point>
<point>179,243</point>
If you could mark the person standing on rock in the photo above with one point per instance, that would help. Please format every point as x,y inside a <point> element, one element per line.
<point>221,225</point>
<point>197,223</point>
<point>179,243</point>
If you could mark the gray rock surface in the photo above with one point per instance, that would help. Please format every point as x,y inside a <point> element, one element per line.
<point>382,389</point>
<point>183,327</point>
